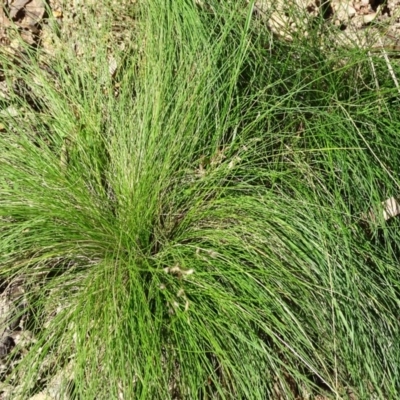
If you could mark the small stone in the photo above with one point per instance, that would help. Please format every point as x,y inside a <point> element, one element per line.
<point>351,11</point>
<point>367,19</point>
<point>343,11</point>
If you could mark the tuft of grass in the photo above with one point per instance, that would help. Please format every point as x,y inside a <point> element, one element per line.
<point>193,227</point>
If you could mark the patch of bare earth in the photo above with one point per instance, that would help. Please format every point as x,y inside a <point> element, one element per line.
<point>372,24</point>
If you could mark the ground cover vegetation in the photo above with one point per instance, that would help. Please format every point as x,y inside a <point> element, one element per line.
<point>206,221</point>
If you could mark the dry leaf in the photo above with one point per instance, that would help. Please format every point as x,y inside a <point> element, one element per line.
<point>391,208</point>
<point>17,6</point>
<point>57,14</point>
<point>34,12</point>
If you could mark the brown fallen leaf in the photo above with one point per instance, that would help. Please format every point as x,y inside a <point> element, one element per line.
<point>34,12</point>
<point>16,7</point>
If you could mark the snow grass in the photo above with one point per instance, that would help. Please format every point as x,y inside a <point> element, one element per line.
<point>196,227</point>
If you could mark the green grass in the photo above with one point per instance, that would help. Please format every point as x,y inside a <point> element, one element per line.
<point>200,234</point>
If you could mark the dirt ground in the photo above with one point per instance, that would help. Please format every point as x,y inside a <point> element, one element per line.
<point>359,23</point>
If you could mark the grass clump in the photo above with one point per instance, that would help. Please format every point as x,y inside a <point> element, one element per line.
<point>194,226</point>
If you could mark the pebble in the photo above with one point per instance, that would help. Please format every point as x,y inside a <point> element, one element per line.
<point>367,19</point>
<point>343,11</point>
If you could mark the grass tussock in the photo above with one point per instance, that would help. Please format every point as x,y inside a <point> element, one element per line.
<point>194,226</point>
